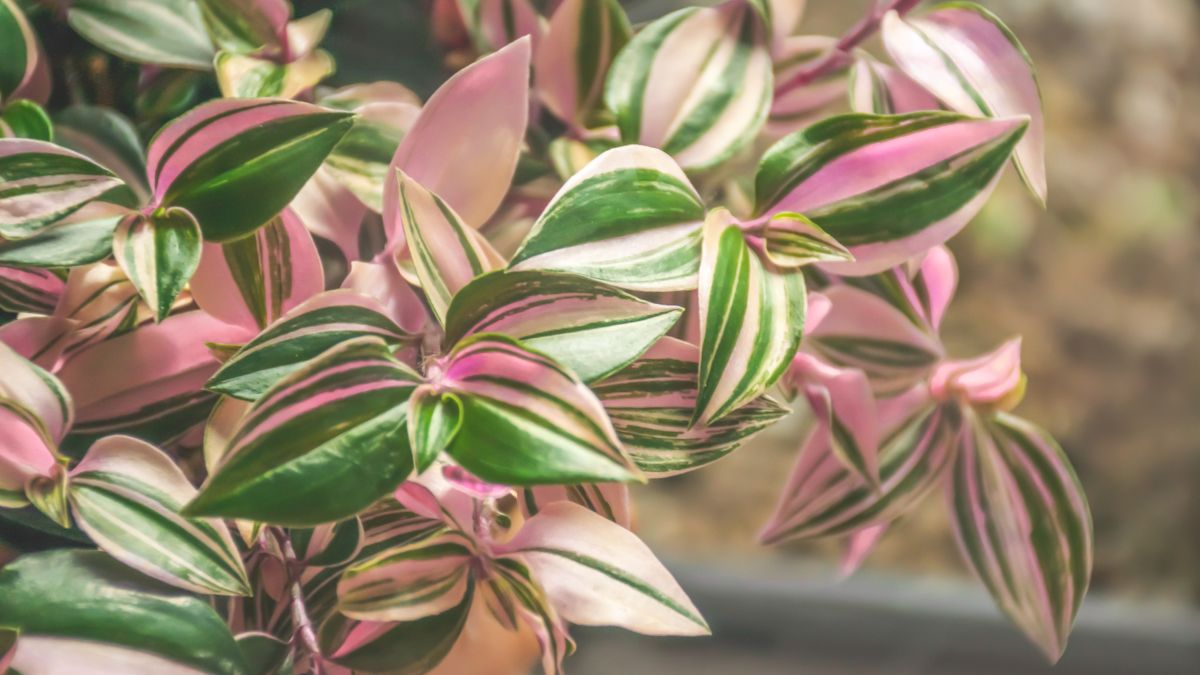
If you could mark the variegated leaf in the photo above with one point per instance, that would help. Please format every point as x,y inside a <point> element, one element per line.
<point>410,582</point>
<point>629,218</point>
<point>100,300</point>
<point>495,23</point>
<point>23,71</point>
<point>43,183</point>
<point>385,112</point>
<point>596,572</point>
<point>339,420</point>
<point>322,322</point>
<point>696,83</point>
<point>1024,526</point>
<point>527,420</point>
<point>791,240</point>
<point>843,404</point>
<point>68,244</point>
<point>25,119</point>
<point>434,419</point>
<point>32,290</point>
<point>241,76</point>
<point>156,32</point>
<point>27,386</point>
<point>608,500</point>
<point>969,59</point>
<point>126,495</point>
<point>887,187</point>
<point>329,545</point>
<point>591,328</point>
<point>248,26</point>
<point>81,611</point>
<point>514,597</point>
<point>993,380</point>
<point>108,138</point>
<point>651,404</point>
<point>572,60</point>
<point>446,253</point>
<point>159,252</point>
<point>27,453</point>
<point>824,497</point>
<point>254,280</point>
<point>235,163</point>
<point>883,90</point>
<point>751,320</point>
<point>794,107</point>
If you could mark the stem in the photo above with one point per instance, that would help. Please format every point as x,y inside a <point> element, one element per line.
<point>839,55</point>
<point>303,623</point>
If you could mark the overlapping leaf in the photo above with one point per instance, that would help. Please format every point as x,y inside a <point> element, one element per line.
<point>29,290</point>
<point>409,582</point>
<point>572,60</point>
<point>159,252</point>
<point>158,32</point>
<point>43,183</point>
<point>24,73</point>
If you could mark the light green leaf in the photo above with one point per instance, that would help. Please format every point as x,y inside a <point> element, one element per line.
<point>157,32</point>
<point>159,252</point>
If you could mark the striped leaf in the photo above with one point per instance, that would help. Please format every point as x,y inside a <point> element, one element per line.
<point>23,71</point>
<point>27,453</point>
<point>248,26</point>
<point>409,582</point>
<point>338,421</point>
<point>791,240</point>
<point>329,545</point>
<point>41,183</point>
<point>591,328</point>
<point>887,187</point>
<point>921,289</point>
<point>526,420</point>
<point>301,335</point>
<point>843,405</point>
<point>28,387</point>
<point>386,111</point>
<point>795,107</point>
<point>434,419</point>
<point>110,139</point>
<point>652,402</point>
<point>234,164</point>
<point>596,572</point>
<point>824,497</point>
<point>126,495</point>
<point>159,252</point>
<point>629,218</point>
<point>481,111</point>
<point>751,320</point>
<point>883,90</point>
<point>68,244</point>
<point>155,32</point>
<point>81,611</point>
<point>969,59</point>
<point>446,253</point>
<point>696,83</point>
<point>254,280</point>
<point>100,300</point>
<point>241,76</point>
<point>496,23</point>
<point>1024,526</point>
<point>31,290</point>
<point>864,332</point>
<point>512,595</point>
<point>608,500</point>
<point>572,59</point>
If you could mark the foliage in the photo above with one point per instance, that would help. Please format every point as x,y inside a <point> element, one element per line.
<point>413,353</point>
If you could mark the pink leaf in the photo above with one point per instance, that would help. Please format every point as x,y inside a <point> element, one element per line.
<point>881,89</point>
<point>331,211</point>
<point>40,339</point>
<point>844,406</point>
<point>986,379</point>
<point>500,22</point>
<point>860,545</point>
<point>382,281</point>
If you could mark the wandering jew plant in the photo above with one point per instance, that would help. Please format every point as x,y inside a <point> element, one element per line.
<point>315,379</point>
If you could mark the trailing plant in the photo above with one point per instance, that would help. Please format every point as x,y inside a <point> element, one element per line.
<point>314,379</point>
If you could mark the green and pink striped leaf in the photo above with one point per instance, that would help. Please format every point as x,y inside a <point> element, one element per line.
<point>608,500</point>
<point>241,76</point>
<point>793,108</point>
<point>304,333</point>
<point>108,138</point>
<point>35,412</point>
<point>887,187</point>
<point>248,26</point>
<point>24,73</point>
<point>254,280</point>
<point>843,405</point>
<point>1024,526</point>
<point>29,387</point>
<point>446,253</point>
<point>126,495</point>
<point>434,419</point>
<point>82,611</point>
<point>968,58</point>
<point>410,582</point>
<point>479,112</point>
<point>339,420</point>
<point>652,402</point>
<point>751,320</point>
<point>824,497</point>
<point>159,252</point>
<point>629,218</point>
<point>235,163</point>
<point>992,380</point>
<point>792,240</point>
<point>591,328</point>
<point>76,240</point>
<point>101,301</point>
<point>32,290</point>
<point>596,572</point>
<point>514,597</point>
<point>883,90</point>
<point>696,83</point>
<point>155,32</point>
<point>385,112</point>
<point>572,60</point>
<point>497,23</point>
<point>526,420</point>
<point>43,183</point>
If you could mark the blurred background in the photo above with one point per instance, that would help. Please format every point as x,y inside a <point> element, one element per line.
<point>1102,285</point>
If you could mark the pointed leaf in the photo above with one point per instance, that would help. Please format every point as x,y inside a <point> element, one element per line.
<point>887,187</point>
<point>526,420</point>
<point>629,218</point>
<point>791,240</point>
<point>696,83</point>
<point>572,60</point>
<point>159,252</point>
<point>752,319</point>
<point>410,582</point>
<point>1024,526</point>
<point>844,406</point>
<point>62,245</point>
<point>968,58</point>
<point>993,379</point>
<point>30,388</point>
<point>126,495</point>
<point>234,164</point>
<point>598,573</point>
<point>338,421</point>
<point>434,419</point>
<point>31,290</point>
<point>156,32</point>
<point>241,76</point>
<point>42,183</point>
<point>107,137</point>
<point>248,26</point>
<point>360,161</point>
<point>652,402</point>
<point>591,328</point>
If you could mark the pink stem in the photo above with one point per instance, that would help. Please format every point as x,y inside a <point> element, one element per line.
<point>839,55</point>
<point>303,623</point>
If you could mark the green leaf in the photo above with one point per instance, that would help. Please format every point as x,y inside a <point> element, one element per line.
<point>91,612</point>
<point>41,182</point>
<point>15,48</point>
<point>591,328</point>
<point>107,137</point>
<point>434,419</point>
<point>65,245</point>
<point>159,252</point>
<point>25,119</point>
<point>245,26</point>
<point>157,32</point>
<point>339,421</point>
